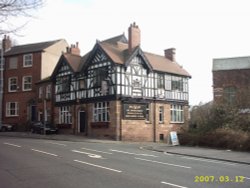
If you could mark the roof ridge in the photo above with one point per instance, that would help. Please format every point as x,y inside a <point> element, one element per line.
<point>35,43</point>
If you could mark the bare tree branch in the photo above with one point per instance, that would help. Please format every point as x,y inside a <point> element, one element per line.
<point>16,8</point>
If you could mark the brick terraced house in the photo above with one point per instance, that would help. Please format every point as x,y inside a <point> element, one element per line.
<point>120,92</point>
<point>25,65</point>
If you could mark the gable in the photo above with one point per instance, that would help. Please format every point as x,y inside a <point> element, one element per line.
<point>62,68</point>
<point>96,56</point>
<point>138,57</point>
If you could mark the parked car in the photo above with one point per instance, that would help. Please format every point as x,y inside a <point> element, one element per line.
<point>38,127</point>
<point>6,127</point>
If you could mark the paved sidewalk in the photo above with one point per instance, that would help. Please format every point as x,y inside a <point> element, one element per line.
<point>207,153</point>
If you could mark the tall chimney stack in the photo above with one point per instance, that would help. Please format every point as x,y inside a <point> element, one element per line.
<point>134,37</point>
<point>6,43</point>
<point>73,49</point>
<point>170,54</point>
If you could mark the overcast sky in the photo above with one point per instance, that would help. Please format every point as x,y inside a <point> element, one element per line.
<point>200,30</point>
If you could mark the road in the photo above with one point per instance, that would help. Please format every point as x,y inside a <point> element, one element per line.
<point>29,163</point>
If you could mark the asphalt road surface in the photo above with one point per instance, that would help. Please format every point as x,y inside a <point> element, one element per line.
<point>37,163</point>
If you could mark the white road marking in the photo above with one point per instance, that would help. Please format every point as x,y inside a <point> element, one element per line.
<point>97,151</point>
<point>89,154</point>
<point>166,153</point>
<point>44,152</point>
<point>163,182</point>
<point>56,143</point>
<point>210,161</point>
<point>169,164</point>
<point>246,178</point>
<point>129,153</point>
<point>98,166</point>
<point>6,143</point>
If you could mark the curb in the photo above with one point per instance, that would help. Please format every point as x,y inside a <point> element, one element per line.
<point>47,137</point>
<point>198,156</point>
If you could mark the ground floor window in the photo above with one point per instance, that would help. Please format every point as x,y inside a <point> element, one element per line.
<point>101,112</point>
<point>12,109</point>
<point>177,115</point>
<point>148,113</point>
<point>65,116</point>
<point>161,114</point>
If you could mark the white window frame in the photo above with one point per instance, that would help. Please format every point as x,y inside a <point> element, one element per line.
<point>27,60</point>
<point>24,84</point>
<point>10,84</point>
<point>65,116</point>
<point>177,114</point>
<point>101,112</point>
<point>12,111</point>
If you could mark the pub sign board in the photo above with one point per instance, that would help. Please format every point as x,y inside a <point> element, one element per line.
<point>134,111</point>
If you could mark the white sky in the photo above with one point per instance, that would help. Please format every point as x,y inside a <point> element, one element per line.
<point>200,30</point>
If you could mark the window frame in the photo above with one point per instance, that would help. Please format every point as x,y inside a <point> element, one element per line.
<point>65,116</point>
<point>101,112</point>
<point>48,91</point>
<point>10,110</point>
<point>176,113</point>
<point>40,92</point>
<point>25,84</point>
<point>161,114</point>
<point>10,85</point>
<point>27,60</point>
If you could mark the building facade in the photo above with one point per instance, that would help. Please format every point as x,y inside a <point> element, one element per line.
<point>231,80</point>
<point>25,65</point>
<point>120,92</point>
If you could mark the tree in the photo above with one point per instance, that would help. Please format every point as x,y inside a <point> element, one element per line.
<point>15,9</point>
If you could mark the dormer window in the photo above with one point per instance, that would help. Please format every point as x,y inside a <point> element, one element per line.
<point>27,60</point>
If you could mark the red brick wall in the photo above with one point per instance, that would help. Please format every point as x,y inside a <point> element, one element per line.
<point>237,78</point>
<point>22,97</point>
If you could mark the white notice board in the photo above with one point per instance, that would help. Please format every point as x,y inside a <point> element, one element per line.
<point>174,138</point>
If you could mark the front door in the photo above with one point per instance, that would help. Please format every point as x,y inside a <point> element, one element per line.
<point>82,121</point>
<point>33,113</point>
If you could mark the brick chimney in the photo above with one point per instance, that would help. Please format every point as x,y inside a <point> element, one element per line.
<point>134,37</point>
<point>6,43</point>
<point>73,49</point>
<point>170,54</point>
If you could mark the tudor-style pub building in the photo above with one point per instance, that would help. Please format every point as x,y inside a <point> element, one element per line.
<point>120,92</point>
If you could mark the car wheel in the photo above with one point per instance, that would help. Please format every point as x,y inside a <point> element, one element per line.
<point>4,129</point>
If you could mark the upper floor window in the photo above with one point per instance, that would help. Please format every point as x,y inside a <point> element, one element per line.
<point>177,115</point>
<point>177,85</point>
<point>48,92</point>
<point>100,75</point>
<point>161,81</point>
<point>13,63</point>
<point>12,85</point>
<point>27,83</point>
<point>63,84</point>
<point>12,109</point>
<point>40,92</point>
<point>27,60</point>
